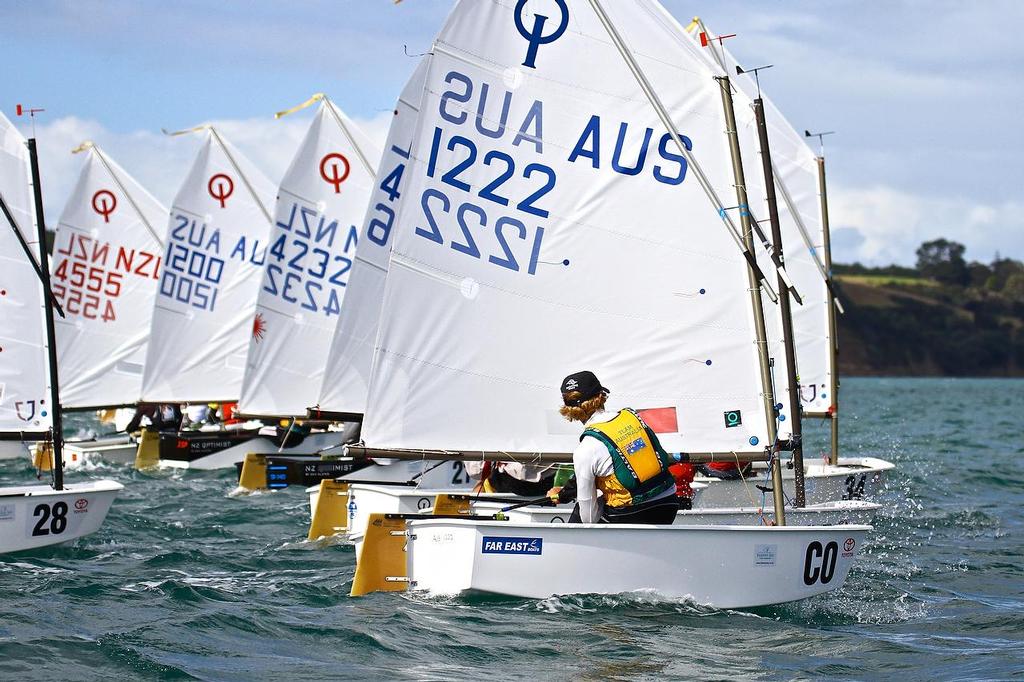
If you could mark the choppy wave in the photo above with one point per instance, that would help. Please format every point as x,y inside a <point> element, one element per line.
<point>191,579</point>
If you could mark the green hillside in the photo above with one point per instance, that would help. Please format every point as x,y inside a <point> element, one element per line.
<point>945,317</point>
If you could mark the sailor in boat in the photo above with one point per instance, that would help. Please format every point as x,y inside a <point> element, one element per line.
<point>726,471</point>
<point>528,480</point>
<point>683,473</point>
<point>161,417</point>
<point>621,469</point>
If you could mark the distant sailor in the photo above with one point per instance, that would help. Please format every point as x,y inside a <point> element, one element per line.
<point>529,480</point>
<point>160,417</point>
<point>618,456</point>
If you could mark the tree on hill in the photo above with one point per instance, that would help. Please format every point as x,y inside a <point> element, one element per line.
<point>943,260</point>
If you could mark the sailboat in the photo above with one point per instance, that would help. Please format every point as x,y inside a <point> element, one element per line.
<point>106,268</point>
<point>320,203</point>
<point>347,374</point>
<point>565,208</point>
<point>827,494</point>
<point>216,242</point>
<point>33,516</point>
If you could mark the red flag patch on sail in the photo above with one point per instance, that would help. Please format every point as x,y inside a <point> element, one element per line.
<point>259,327</point>
<point>660,419</point>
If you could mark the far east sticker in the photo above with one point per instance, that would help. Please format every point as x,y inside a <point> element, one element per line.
<point>764,555</point>
<point>507,545</point>
<point>7,512</point>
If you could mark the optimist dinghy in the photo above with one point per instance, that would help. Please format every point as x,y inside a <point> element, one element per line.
<point>205,307</point>
<point>564,208</point>
<point>34,515</point>
<point>106,268</point>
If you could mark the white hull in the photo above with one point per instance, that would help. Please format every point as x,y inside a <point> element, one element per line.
<point>447,476</point>
<point>37,515</point>
<point>227,458</point>
<point>384,500</point>
<point>718,566</point>
<point>853,478</point>
<point>112,450</point>
<point>844,512</point>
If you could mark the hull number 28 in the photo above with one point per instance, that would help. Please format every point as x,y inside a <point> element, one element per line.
<point>52,520</point>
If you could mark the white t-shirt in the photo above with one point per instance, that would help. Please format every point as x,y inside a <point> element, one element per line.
<point>590,460</point>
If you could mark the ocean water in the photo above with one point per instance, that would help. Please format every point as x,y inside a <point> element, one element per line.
<point>185,581</point>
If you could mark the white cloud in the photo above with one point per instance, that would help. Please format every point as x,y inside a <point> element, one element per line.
<point>890,224</point>
<point>160,162</point>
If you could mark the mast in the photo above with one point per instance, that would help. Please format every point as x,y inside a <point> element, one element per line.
<point>755,295</point>
<point>833,346</point>
<point>51,336</point>
<point>796,439</point>
<point>745,244</point>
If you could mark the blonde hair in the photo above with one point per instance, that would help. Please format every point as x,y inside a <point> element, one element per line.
<point>585,409</point>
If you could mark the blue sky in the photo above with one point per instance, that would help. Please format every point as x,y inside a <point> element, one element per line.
<point>926,96</point>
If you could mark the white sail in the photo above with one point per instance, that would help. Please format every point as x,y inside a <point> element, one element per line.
<point>347,375</point>
<point>205,305</point>
<point>796,179</point>
<point>106,268</point>
<point>320,208</point>
<point>24,384</point>
<point>551,226</point>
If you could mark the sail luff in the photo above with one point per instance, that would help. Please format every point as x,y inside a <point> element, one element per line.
<point>24,383</point>
<point>128,195</point>
<point>349,361</point>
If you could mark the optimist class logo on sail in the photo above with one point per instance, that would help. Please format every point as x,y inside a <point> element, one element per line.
<point>196,257</point>
<point>501,545</point>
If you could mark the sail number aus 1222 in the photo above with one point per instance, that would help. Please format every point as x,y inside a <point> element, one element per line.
<point>512,241</point>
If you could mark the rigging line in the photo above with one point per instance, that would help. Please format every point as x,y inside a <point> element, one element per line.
<point>659,108</point>
<point>287,433</point>
<point>231,159</point>
<point>424,460</point>
<point>31,259</point>
<point>348,135</point>
<point>720,60</point>
<point>125,192</point>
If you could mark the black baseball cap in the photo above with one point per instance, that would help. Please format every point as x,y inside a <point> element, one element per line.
<point>586,383</point>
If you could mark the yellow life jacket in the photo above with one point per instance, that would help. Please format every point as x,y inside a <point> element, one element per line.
<point>639,463</point>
